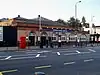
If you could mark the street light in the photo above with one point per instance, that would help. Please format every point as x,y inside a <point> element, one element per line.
<point>40,27</point>
<point>76,9</point>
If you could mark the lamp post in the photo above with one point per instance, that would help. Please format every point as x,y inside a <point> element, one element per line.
<point>76,9</point>
<point>76,13</point>
<point>40,27</point>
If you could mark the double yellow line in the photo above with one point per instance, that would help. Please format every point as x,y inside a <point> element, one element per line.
<point>1,73</point>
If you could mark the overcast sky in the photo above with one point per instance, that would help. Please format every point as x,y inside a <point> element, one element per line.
<point>51,9</point>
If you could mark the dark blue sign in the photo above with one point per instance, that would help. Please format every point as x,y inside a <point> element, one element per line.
<point>58,30</point>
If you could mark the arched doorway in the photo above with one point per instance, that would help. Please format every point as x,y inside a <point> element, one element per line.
<point>44,38</point>
<point>73,39</point>
<point>83,39</point>
<point>32,38</point>
<point>54,38</point>
<point>63,38</point>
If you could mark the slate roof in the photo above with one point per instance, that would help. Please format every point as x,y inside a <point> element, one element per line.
<point>44,21</point>
<point>20,18</point>
<point>3,19</point>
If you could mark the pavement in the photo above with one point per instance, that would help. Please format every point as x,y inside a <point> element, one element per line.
<point>38,48</point>
<point>63,61</point>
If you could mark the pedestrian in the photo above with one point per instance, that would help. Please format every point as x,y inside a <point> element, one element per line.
<point>46,43</point>
<point>78,42</point>
<point>41,45</point>
<point>51,44</point>
<point>59,43</point>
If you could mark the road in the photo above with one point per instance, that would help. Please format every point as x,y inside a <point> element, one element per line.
<point>71,61</point>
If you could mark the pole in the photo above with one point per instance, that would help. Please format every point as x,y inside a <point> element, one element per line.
<point>40,30</point>
<point>40,23</point>
<point>91,24</point>
<point>75,11</point>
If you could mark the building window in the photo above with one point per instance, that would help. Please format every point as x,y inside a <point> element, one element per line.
<point>63,38</point>
<point>73,38</point>
<point>84,39</point>
<point>53,38</point>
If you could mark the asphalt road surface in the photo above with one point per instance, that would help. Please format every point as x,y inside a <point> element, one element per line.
<point>71,61</point>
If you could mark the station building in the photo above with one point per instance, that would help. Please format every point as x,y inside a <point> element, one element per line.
<point>43,29</point>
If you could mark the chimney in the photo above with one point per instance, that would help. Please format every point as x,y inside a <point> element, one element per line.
<point>38,16</point>
<point>18,15</point>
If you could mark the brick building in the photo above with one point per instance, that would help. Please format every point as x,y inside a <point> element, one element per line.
<point>30,28</point>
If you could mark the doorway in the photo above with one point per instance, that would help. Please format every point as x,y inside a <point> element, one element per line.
<point>32,40</point>
<point>43,40</point>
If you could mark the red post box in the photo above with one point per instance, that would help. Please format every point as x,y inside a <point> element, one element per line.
<point>22,44</point>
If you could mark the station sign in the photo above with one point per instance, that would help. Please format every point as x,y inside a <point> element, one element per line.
<point>63,30</point>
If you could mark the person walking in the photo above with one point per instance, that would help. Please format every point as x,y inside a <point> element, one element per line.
<point>59,43</point>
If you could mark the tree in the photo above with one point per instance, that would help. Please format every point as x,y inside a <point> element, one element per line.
<point>61,21</point>
<point>71,22</point>
<point>74,23</point>
<point>84,21</point>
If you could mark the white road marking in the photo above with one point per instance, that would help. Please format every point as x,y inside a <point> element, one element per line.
<point>21,58</point>
<point>2,59</point>
<point>30,52</point>
<point>8,57</point>
<point>37,55</point>
<point>71,53</point>
<point>24,58</point>
<point>78,51</point>
<point>85,52</point>
<point>88,60</point>
<point>40,52</point>
<point>91,50</point>
<point>2,56</point>
<point>62,49</point>
<point>43,56</point>
<point>24,55</point>
<point>40,67</point>
<point>66,51</point>
<point>58,53</point>
<point>18,55</point>
<point>69,63</point>
<point>44,52</point>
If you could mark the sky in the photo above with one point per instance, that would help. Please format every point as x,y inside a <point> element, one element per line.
<point>51,9</point>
